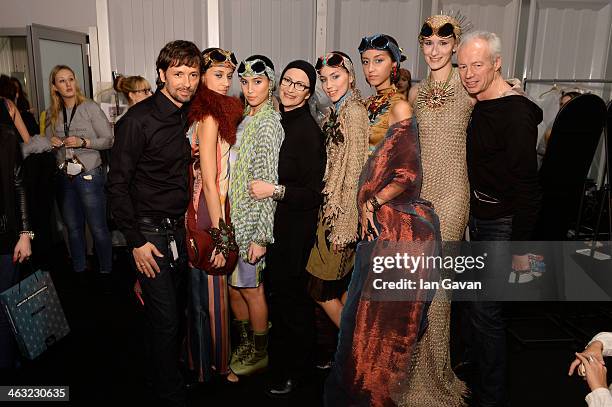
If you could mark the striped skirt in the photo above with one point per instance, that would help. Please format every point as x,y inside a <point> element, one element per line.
<point>208,333</point>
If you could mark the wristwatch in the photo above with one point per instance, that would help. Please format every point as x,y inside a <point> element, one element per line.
<point>83,142</point>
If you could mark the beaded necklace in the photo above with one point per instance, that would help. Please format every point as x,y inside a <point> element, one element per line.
<point>380,102</point>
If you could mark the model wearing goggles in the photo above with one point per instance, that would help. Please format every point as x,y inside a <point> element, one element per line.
<point>254,67</point>
<point>444,26</point>
<point>444,31</point>
<point>220,56</point>
<point>334,60</point>
<point>381,42</point>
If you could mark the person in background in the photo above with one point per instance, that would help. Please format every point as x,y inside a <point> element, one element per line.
<point>133,88</point>
<point>23,104</point>
<point>301,165</point>
<point>253,157</point>
<point>78,130</point>
<point>591,365</point>
<point>38,173</point>
<point>565,97</point>
<point>404,82</point>
<point>15,232</point>
<point>9,94</point>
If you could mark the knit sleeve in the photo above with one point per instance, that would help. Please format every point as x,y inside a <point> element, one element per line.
<point>265,168</point>
<point>356,133</point>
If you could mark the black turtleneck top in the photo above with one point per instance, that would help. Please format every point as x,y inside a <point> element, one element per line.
<point>301,166</point>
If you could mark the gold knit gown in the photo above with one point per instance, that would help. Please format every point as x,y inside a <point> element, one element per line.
<point>442,116</point>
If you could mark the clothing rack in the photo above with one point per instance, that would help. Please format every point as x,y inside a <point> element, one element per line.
<point>526,81</point>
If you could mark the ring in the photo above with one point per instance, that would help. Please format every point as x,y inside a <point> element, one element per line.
<point>590,358</point>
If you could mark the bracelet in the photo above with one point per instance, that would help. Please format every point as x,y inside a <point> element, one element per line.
<point>223,238</point>
<point>260,243</point>
<point>28,233</point>
<point>279,192</point>
<point>375,204</point>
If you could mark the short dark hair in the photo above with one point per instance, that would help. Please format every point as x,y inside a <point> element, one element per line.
<point>7,89</point>
<point>22,97</point>
<point>178,53</point>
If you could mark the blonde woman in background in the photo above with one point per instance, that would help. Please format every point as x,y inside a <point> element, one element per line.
<point>78,129</point>
<point>133,88</point>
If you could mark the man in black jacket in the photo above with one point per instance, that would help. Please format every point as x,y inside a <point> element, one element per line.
<point>148,187</point>
<point>505,193</point>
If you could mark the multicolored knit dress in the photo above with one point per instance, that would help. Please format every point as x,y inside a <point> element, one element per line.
<point>256,158</point>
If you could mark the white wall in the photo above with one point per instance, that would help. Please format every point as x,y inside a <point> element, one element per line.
<point>350,20</point>
<point>282,30</point>
<point>565,37</point>
<point>76,15</point>
<point>499,16</point>
<point>570,39</point>
<point>138,30</point>
<point>6,56</point>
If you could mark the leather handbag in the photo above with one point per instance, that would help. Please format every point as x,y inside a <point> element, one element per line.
<point>200,240</point>
<point>35,314</point>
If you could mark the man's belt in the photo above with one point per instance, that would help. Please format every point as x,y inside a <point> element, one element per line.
<point>162,223</point>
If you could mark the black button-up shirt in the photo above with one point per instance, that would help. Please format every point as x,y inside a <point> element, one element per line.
<point>149,162</point>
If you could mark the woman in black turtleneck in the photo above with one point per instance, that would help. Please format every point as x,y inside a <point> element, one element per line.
<point>301,167</point>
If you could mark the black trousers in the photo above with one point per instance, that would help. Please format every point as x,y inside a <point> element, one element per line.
<point>292,314</point>
<point>164,307</point>
<point>488,338</point>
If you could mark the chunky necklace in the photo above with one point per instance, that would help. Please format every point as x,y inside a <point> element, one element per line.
<point>380,102</point>
<point>331,129</point>
<point>434,94</point>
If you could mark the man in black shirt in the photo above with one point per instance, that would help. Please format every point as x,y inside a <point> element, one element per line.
<point>148,188</point>
<point>505,194</point>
